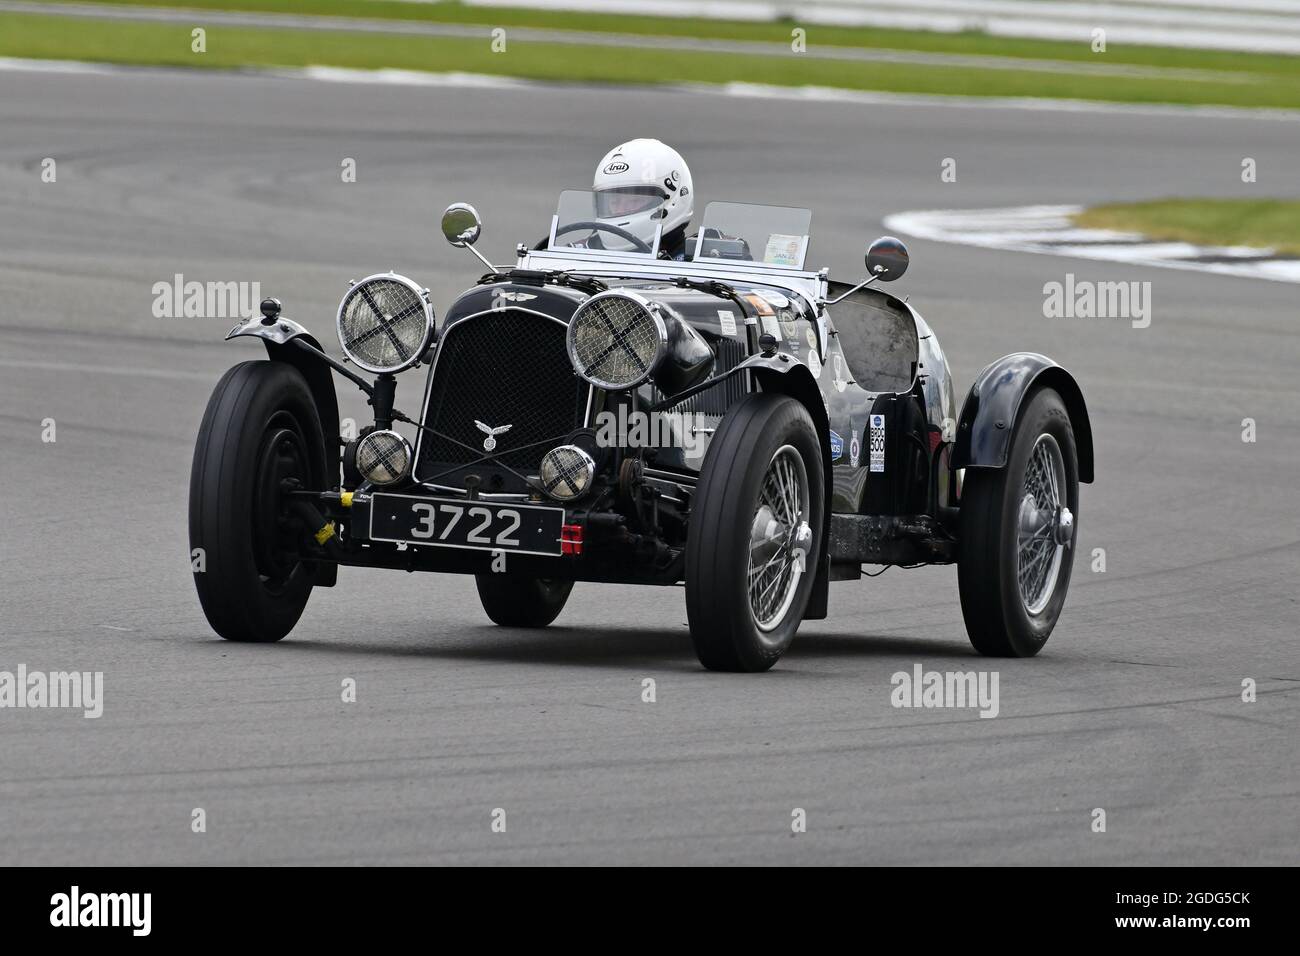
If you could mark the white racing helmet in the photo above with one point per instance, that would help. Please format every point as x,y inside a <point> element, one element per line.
<point>641,184</point>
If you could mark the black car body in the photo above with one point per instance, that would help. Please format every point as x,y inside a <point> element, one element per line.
<point>734,352</point>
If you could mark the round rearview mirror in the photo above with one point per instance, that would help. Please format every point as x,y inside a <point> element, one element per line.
<point>887,258</point>
<point>461,224</point>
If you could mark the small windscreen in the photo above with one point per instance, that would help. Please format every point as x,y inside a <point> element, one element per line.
<point>771,235</point>
<point>607,221</point>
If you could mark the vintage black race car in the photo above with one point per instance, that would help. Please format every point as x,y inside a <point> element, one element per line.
<point>730,422</point>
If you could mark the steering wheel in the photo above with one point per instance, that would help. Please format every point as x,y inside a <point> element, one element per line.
<point>639,244</point>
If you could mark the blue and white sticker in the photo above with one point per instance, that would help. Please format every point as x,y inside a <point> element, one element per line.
<point>876,449</point>
<point>855,449</point>
<point>837,446</point>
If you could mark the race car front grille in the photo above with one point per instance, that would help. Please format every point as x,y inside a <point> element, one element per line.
<point>503,368</point>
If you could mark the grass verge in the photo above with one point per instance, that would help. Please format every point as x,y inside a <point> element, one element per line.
<point>146,43</point>
<point>1263,223</point>
<point>966,43</point>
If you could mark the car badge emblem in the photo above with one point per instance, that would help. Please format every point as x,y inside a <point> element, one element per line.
<point>491,441</point>
<point>518,296</point>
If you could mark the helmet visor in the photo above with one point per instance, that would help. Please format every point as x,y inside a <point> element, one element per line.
<point>628,201</point>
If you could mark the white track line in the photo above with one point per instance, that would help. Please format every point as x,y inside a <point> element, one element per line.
<point>1050,230</point>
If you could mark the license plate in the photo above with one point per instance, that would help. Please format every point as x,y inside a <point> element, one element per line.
<point>461,523</point>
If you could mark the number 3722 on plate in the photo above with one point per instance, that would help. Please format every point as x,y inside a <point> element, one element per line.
<point>462,523</point>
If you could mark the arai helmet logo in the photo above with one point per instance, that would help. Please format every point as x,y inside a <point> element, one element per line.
<point>615,168</point>
<point>491,441</point>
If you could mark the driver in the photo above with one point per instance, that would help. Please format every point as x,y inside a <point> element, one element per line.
<point>642,184</point>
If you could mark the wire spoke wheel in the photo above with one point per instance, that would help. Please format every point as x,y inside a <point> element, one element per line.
<point>1039,549</point>
<point>778,538</point>
<point>1018,528</point>
<point>757,529</point>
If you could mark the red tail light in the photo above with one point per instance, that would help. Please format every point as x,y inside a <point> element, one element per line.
<point>571,539</point>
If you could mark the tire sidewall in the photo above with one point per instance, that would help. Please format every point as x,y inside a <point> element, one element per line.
<point>769,421</point>
<point>243,406</point>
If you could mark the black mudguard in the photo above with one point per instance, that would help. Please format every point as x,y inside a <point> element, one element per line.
<point>277,337</point>
<point>988,416</point>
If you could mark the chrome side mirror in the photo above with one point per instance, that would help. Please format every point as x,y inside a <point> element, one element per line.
<point>461,225</point>
<point>887,259</point>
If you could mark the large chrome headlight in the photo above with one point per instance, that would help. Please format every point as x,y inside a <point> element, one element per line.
<point>385,323</point>
<point>615,339</point>
<point>383,457</point>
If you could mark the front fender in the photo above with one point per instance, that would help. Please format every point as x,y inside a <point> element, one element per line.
<point>277,337</point>
<point>988,416</point>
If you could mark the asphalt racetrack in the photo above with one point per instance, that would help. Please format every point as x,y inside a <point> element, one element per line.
<point>1134,706</point>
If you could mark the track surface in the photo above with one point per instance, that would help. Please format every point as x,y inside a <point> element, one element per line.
<point>1133,706</point>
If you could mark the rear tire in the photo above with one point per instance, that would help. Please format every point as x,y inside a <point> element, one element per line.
<point>1012,579</point>
<point>512,600</point>
<point>261,427</point>
<point>758,506</point>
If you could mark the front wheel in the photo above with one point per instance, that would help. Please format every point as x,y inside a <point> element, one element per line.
<point>1018,528</point>
<point>755,534</point>
<point>513,600</point>
<point>260,434</point>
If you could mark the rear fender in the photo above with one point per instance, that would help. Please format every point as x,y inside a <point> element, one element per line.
<point>988,417</point>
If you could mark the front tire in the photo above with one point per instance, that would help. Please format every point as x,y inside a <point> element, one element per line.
<point>755,534</point>
<point>1018,528</point>
<point>261,428</point>
<point>512,600</point>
